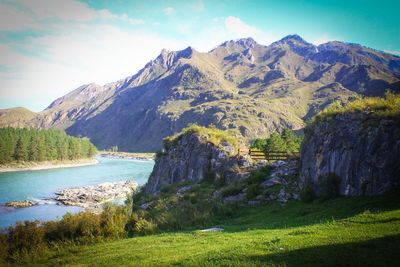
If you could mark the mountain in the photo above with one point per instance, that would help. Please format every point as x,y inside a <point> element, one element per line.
<point>240,85</point>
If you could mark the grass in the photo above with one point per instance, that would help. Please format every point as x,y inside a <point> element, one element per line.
<point>212,134</point>
<point>362,231</point>
<point>389,106</point>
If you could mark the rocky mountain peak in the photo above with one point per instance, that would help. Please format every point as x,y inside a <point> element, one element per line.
<point>168,58</point>
<point>296,44</point>
<point>244,43</point>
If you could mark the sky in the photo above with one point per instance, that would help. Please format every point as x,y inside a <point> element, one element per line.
<point>50,47</point>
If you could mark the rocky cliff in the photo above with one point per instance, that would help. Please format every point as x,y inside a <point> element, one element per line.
<point>193,156</point>
<point>357,149</point>
<point>242,85</point>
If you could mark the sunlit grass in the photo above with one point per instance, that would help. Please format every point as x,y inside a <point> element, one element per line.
<point>343,232</point>
<point>389,106</point>
<point>212,134</point>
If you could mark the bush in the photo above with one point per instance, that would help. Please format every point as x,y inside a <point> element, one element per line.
<point>232,189</point>
<point>139,226</point>
<point>3,248</point>
<point>307,194</point>
<point>253,191</point>
<point>329,186</point>
<point>259,175</point>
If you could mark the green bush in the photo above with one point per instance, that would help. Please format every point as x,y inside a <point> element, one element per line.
<point>307,194</point>
<point>139,226</point>
<point>25,240</point>
<point>232,189</point>
<point>253,191</point>
<point>3,248</point>
<point>259,175</point>
<point>329,186</point>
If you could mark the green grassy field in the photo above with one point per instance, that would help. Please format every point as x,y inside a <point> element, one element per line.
<point>342,232</point>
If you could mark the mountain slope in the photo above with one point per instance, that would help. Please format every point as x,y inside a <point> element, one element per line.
<point>240,85</point>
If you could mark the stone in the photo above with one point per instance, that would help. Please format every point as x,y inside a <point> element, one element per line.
<point>361,150</point>
<point>191,158</point>
<point>146,205</point>
<point>21,204</point>
<point>91,198</point>
<point>253,202</point>
<point>213,229</point>
<point>182,190</point>
<point>271,182</point>
<point>234,198</point>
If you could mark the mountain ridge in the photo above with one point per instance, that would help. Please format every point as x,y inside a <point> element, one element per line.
<point>239,84</point>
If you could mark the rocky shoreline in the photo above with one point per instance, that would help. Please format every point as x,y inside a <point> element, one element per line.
<point>128,155</point>
<point>91,198</point>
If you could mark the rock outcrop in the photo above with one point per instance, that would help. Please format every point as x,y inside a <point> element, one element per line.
<point>92,197</point>
<point>361,150</point>
<point>21,204</point>
<point>193,158</point>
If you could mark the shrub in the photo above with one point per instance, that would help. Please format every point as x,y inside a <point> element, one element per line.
<point>307,194</point>
<point>259,175</point>
<point>139,226</point>
<point>3,248</point>
<point>112,221</point>
<point>329,186</point>
<point>25,239</point>
<point>232,189</point>
<point>253,191</point>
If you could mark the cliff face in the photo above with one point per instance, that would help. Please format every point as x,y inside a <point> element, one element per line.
<point>192,158</point>
<point>362,150</point>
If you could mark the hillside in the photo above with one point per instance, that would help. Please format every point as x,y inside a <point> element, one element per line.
<point>240,85</point>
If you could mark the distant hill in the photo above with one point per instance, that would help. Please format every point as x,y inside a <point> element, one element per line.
<point>16,117</point>
<point>240,85</point>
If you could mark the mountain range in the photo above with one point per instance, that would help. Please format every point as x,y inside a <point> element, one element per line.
<point>240,84</point>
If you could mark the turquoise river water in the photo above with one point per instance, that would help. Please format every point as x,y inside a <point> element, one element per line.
<point>44,183</point>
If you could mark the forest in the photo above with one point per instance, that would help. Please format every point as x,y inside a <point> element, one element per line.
<point>21,145</point>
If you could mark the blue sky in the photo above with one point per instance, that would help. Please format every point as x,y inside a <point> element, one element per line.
<point>49,47</point>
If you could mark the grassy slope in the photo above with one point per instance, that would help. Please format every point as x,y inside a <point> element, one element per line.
<point>341,232</point>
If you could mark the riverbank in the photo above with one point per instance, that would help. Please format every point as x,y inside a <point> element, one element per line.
<point>127,155</point>
<point>34,166</point>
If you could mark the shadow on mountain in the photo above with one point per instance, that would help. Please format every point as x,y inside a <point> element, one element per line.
<point>382,251</point>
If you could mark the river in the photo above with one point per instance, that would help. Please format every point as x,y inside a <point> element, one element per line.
<point>41,184</point>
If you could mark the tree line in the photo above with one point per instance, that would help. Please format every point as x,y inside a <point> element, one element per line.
<point>41,145</point>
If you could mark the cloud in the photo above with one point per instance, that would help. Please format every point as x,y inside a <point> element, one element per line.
<point>240,29</point>
<point>72,50</point>
<point>64,10</point>
<point>12,19</point>
<point>126,18</point>
<point>49,14</point>
<point>169,10</point>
